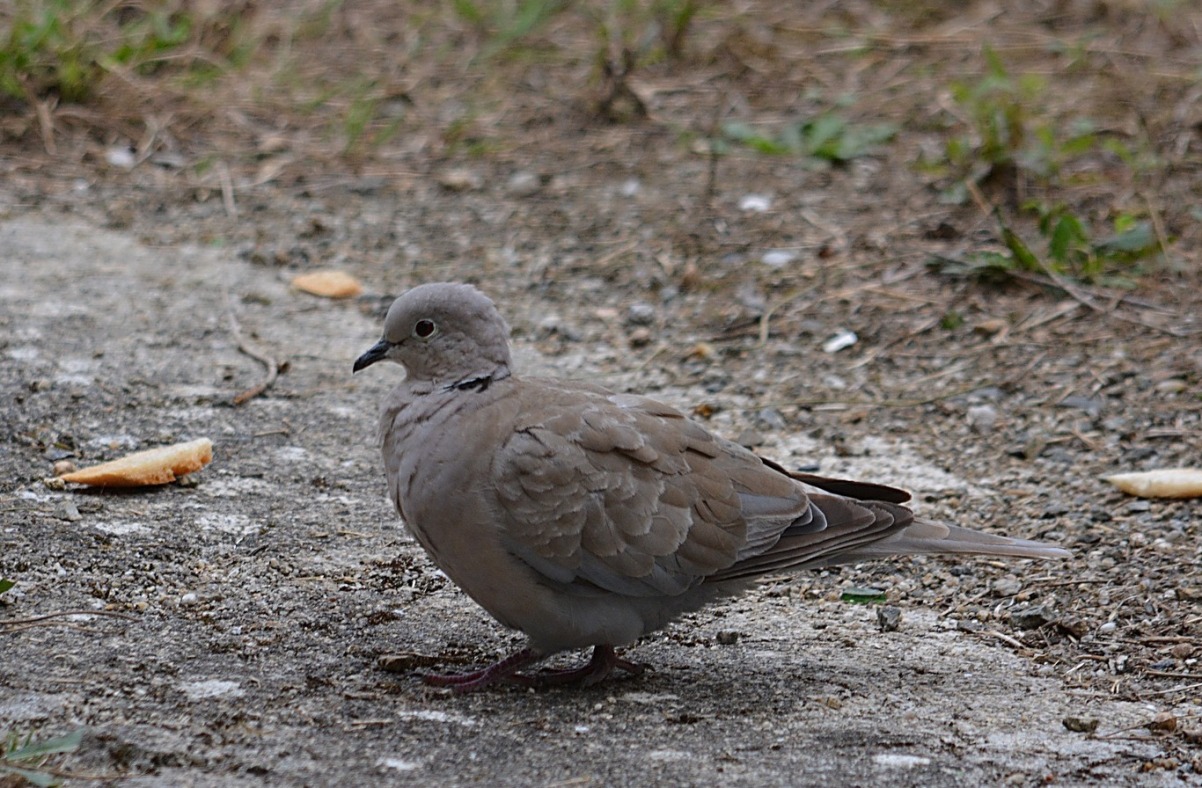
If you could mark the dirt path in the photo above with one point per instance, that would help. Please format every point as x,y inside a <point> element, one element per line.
<point>256,603</point>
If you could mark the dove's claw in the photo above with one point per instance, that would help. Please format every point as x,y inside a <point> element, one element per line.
<point>603,662</point>
<point>485,677</point>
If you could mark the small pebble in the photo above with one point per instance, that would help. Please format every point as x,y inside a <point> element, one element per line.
<point>987,393</point>
<point>1054,509</point>
<point>67,510</point>
<point>1108,628</point>
<point>991,326</point>
<point>1080,724</point>
<point>1090,405</point>
<point>63,467</point>
<point>841,340</point>
<point>1164,721</point>
<point>460,180</point>
<point>888,618</point>
<point>778,258</point>
<point>1006,586</point>
<point>1172,386</point>
<point>1031,617</point>
<point>523,184</point>
<point>640,337</point>
<point>188,599</point>
<point>770,418</point>
<point>982,418</point>
<point>755,203</point>
<point>123,156</point>
<point>640,313</point>
<point>728,637</point>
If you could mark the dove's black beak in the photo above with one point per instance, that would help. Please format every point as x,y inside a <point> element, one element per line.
<point>374,353</point>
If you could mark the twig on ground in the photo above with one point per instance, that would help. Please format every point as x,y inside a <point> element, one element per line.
<point>273,366</point>
<point>1009,641</point>
<point>47,617</point>
<point>227,190</point>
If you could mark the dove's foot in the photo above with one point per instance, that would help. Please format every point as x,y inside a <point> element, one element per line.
<point>486,677</point>
<point>604,661</point>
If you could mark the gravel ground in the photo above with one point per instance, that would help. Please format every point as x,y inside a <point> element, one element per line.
<point>231,630</point>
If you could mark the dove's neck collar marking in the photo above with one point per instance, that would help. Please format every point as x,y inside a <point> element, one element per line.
<point>479,382</point>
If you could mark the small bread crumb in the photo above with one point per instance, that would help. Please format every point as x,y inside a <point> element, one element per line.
<point>328,284</point>
<point>1164,483</point>
<point>154,466</point>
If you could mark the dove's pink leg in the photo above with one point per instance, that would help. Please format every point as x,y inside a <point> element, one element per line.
<point>498,671</point>
<point>604,660</point>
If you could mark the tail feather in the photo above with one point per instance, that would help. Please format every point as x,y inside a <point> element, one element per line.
<point>865,521</point>
<point>923,537</point>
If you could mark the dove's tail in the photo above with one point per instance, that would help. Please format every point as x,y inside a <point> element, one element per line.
<point>926,537</point>
<point>852,521</point>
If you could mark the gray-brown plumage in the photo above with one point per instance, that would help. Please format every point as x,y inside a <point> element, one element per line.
<point>585,518</point>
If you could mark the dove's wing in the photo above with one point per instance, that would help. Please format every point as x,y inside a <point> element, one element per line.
<point>624,494</point>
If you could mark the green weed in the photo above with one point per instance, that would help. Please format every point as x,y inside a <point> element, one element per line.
<point>48,51</point>
<point>372,118</point>
<point>827,137</point>
<point>505,23</point>
<point>26,759</point>
<point>863,596</point>
<point>1072,250</point>
<point>651,31</point>
<point>64,48</point>
<point>1005,139</point>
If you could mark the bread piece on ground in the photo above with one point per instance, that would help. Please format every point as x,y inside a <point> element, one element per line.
<point>1164,483</point>
<point>153,466</point>
<point>328,283</point>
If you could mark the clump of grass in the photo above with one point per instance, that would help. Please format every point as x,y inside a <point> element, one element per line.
<point>48,50</point>
<point>1006,147</point>
<point>827,137</point>
<point>1004,140</point>
<point>1072,250</point>
<point>65,48</point>
<point>24,759</point>
<point>504,23</point>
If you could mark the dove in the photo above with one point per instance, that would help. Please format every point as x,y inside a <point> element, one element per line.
<point>587,518</point>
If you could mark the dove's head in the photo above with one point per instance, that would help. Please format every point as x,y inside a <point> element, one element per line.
<point>444,333</point>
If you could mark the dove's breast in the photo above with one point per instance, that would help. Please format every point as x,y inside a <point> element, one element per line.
<point>438,448</point>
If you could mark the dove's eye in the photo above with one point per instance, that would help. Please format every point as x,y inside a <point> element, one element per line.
<point>424,329</point>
